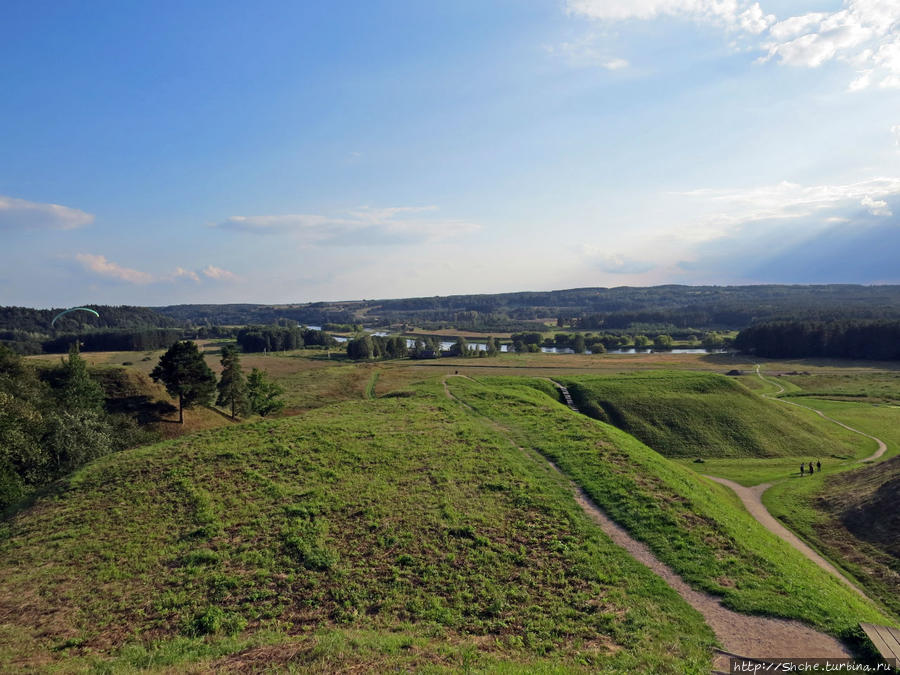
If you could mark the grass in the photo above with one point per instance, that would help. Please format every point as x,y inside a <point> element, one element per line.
<point>394,533</point>
<point>881,387</point>
<point>705,415</point>
<point>696,527</point>
<point>810,507</point>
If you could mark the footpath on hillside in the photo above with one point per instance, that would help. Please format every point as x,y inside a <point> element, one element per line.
<point>750,637</point>
<point>751,497</point>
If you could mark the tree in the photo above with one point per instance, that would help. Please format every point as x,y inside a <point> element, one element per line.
<point>578,343</point>
<point>76,389</point>
<point>263,394</point>
<point>713,340</point>
<point>186,375</point>
<point>232,384</point>
<point>361,348</point>
<point>662,342</point>
<point>641,342</point>
<point>492,348</point>
<point>460,347</point>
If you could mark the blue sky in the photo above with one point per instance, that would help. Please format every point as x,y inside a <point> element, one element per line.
<point>170,152</point>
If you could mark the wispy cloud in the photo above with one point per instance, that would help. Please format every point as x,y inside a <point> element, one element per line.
<point>181,273</point>
<point>107,268</point>
<point>586,51</point>
<point>733,14</point>
<point>22,214</point>
<point>605,260</point>
<point>726,209</point>
<point>863,33</point>
<point>896,131</point>
<point>101,266</point>
<point>219,274</point>
<point>364,225</point>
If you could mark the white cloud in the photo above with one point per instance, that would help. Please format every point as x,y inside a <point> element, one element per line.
<point>876,207</point>
<point>22,214</point>
<point>732,14</point>
<point>218,273</point>
<point>181,273</point>
<point>99,265</point>
<point>896,131</point>
<point>613,262</point>
<point>364,225</point>
<point>106,268</point>
<point>726,210</point>
<point>863,33</point>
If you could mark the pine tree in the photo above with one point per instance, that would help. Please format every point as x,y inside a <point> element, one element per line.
<point>263,394</point>
<point>186,375</point>
<point>76,390</point>
<point>232,385</point>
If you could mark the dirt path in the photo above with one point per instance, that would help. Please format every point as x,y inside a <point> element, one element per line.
<point>882,448</point>
<point>751,497</point>
<point>752,637</point>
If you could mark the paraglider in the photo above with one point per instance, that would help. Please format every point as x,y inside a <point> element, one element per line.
<point>74,309</point>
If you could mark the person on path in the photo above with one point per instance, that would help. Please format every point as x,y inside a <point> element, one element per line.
<point>811,472</point>
<point>818,465</point>
<point>802,468</point>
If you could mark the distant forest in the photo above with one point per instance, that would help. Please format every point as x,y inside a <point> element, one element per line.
<point>872,340</point>
<point>680,311</point>
<point>624,308</point>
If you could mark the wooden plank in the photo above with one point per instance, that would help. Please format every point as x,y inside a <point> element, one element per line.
<point>891,636</point>
<point>889,648</point>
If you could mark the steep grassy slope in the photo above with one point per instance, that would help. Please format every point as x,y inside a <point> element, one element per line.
<point>400,532</point>
<point>697,527</point>
<point>704,415</point>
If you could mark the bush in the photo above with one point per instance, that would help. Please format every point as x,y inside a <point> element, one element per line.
<point>215,620</point>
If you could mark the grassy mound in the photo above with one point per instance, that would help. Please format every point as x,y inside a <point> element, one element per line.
<point>398,533</point>
<point>697,527</point>
<point>703,415</point>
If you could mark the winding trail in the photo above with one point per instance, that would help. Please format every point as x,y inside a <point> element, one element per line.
<point>882,448</point>
<point>751,637</point>
<point>751,497</point>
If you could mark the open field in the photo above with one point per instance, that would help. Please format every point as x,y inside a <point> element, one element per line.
<point>883,387</point>
<point>399,533</point>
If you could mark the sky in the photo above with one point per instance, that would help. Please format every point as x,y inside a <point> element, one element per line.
<point>169,152</point>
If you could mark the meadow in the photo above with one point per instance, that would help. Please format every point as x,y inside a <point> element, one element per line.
<point>392,533</point>
<point>379,525</point>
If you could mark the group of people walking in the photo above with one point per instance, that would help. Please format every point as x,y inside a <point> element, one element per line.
<point>812,470</point>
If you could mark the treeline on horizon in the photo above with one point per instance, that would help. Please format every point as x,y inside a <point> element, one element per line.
<point>868,340</point>
<point>635,310</point>
<point>683,312</point>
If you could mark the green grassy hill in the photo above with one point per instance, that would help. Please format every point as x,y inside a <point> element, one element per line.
<point>406,532</point>
<point>698,528</point>
<point>394,533</point>
<point>703,415</point>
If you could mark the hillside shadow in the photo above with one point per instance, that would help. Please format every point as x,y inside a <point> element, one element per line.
<point>143,409</point>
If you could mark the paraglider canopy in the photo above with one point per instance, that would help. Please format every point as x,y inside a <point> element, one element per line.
<point>74,309</point>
